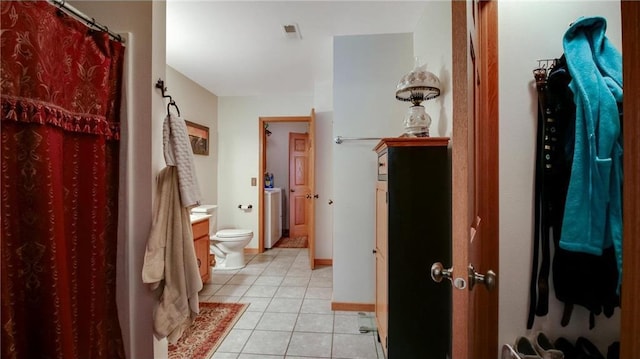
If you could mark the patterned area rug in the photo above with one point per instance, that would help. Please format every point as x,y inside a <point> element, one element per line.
<point>286,242</point>
<point>207,331</point>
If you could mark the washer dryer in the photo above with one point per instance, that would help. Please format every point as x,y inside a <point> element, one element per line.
<point>272,216</point>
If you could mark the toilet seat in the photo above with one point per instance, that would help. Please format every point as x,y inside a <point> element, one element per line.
<point>233,233</point>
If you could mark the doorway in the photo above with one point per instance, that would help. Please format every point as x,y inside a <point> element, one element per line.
<point>304,198</point>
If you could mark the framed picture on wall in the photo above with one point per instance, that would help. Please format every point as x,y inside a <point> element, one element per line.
<point>199,138</point>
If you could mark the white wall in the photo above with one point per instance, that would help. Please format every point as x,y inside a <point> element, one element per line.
<point>432,46</point>
<point>200,106</point>
<point>366,71</point>
<point>144,22</point>
<point>238,119</point>
<point>519,48</point>
<point>278,159</point>
<point>323,104</point>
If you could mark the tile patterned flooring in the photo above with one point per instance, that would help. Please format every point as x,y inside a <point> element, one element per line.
<point>290,314</point>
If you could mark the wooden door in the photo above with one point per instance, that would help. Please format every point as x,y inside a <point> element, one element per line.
<point>630,305</point>
<point>475,177</point>
<point>299,186</point>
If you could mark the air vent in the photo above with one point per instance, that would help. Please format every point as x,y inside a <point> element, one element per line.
<point>291,31</point>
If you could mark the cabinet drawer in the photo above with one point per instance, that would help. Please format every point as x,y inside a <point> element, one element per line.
<point>382,166</point>
<point>200,229</point>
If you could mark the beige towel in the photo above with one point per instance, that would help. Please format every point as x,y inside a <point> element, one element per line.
<point>178,152</point>
<point>170,264</point>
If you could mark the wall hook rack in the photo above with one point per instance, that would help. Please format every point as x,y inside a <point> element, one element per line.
<point>160,85</point>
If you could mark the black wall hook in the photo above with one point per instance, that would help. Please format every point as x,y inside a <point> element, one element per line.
<point>160,85</point>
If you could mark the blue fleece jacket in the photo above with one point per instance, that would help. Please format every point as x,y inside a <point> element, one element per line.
<point>593,211</point>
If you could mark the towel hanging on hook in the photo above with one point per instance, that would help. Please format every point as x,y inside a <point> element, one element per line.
<point>172,103</point>
<point>160,85</point>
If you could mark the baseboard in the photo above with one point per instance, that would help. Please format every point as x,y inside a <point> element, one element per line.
<point>323,262</point>
<point>353,307</point>
<point>251,251</point>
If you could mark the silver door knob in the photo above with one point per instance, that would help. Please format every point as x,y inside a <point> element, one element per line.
<point>489,279</point>
<point>439,272</point>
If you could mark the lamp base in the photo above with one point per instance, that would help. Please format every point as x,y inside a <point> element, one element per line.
<point>417,122</point>
<point>416,132</point>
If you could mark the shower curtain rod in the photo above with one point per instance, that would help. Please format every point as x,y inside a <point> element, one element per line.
<point>91,22</point>
<point>340,139</point>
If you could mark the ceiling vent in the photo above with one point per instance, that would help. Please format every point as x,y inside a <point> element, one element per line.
<point>291,31</point>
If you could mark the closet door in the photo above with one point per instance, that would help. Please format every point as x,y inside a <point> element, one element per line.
<point>475,175</point>
<point>630,306</point>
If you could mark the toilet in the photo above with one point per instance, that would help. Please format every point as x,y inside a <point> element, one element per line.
<point>228,247</point>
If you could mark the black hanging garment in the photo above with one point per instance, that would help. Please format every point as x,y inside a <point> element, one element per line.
<point>579,278</point>
<point>554,150</point>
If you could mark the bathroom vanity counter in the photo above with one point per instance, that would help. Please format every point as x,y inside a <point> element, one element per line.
<point>198,217</point>
<point>200,227</point>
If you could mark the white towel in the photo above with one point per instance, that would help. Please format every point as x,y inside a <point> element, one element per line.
<point>178,152</point>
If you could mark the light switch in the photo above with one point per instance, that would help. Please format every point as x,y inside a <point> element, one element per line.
<point>254,181</point>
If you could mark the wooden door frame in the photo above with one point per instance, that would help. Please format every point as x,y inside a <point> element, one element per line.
<point>630,308</point>
<point>262,146</point>
<point>488,141</point>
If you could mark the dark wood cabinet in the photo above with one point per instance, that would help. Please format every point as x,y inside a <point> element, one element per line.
<point>413,231</point>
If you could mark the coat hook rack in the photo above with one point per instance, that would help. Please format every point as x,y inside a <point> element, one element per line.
<point>160,85</point>
<point>546,63</point>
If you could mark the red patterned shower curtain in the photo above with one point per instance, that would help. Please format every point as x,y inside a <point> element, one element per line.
<point>60,90</point>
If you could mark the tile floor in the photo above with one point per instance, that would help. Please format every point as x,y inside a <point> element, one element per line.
<point>290,314</point>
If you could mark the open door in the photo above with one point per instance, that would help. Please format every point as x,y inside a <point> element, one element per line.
<point>475,171</point>
<point>475,180</point>
<point>630,305</point>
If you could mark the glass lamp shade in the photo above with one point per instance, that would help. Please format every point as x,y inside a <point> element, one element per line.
<point>418,85</point>
<point>417,122</point>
